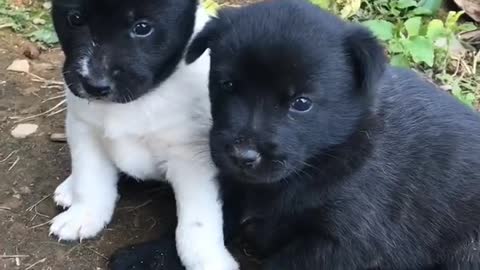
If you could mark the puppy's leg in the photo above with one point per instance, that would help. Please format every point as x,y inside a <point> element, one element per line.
<point>309,253</point>
<point>199,233</point>
<point>155,255</point>
<point>90,191</point>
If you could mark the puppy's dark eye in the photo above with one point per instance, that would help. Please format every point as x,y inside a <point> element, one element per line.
<point>142,29</point>
<point>75,19</point>
<point>301,104</point>
<point>227,85</point>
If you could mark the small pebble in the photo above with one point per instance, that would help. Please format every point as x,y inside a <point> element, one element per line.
<point>22,131</point>
<point>19,65</point>
<point>58,137</point>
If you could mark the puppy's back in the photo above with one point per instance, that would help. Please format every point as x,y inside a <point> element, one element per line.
<point>407,99</point>
<point>428,152</point>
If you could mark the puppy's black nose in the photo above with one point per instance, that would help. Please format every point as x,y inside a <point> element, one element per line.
<point>96,88</point>
<point>247,158</point>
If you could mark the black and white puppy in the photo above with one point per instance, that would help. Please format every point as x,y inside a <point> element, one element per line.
<point>134,106</point>
<point>329,158</point>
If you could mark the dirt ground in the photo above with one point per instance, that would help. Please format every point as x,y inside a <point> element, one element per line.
<point>31,168</point>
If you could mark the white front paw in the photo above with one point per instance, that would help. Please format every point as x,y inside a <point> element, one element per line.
<point>81,221</point>
<point>220,260</point>
<point>223,261</point>
<point>63,195</point>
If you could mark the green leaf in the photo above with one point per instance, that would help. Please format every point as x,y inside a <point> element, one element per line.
<point>381,29</point>
<point>433,6</point>
<point>413,26</point>
<point>395,12</point>
<point>404,4</point>
<point>421,11</point>
<point>421,49</point>
<point>44,35</point>
<point>39,21</point>
<point>211,7</point>
<point>395,46</point>
<point>325,4</point>
<point>452,19</point>
<point>400,60</point>
<point>436,30</point>
<point>468,99</point>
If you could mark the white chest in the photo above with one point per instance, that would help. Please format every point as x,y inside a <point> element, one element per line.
<point>134,156</point>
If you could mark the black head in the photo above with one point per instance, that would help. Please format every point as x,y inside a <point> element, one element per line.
<point>287,82</point>
<point>118,50</point>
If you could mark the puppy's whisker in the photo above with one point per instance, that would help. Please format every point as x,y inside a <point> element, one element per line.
<point>308,165</point>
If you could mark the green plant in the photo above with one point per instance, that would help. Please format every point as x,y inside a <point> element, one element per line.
<point>400,10</point>
<point>404,25</point>
<point>465,88</point>
<point>416,36</point>
<point>34,22</point>
<point>419,39</point>
<point>211,6</point>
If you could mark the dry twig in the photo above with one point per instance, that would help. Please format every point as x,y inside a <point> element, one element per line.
<point>9,155</point>
<point>48,112</point>
<point>13,256</point>
<point>37,203</point>
<point>40,225</point>
<point>38,262</point>
<point>14,163</point>
<point>97,253</point>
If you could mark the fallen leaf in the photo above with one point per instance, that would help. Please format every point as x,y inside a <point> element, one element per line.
<point>19,65</point>
<point>471,7</point>
<point>22,131</point>
<point>471,37</point>
<point>30,50</point>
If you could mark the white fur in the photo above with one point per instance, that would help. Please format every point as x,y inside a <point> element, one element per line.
<point>83,69</point>
<point>164,133</point>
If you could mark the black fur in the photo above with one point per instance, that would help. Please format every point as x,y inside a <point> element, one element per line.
<point>383,172</point>
<point>127,66</point>
<point>158,255</point>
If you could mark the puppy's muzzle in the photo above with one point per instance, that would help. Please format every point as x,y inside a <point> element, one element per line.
<point>96,87</point>
<point>246,156</point>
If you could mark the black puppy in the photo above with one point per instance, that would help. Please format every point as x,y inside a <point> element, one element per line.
<point>329,158</point>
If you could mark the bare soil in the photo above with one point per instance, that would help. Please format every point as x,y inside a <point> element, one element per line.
<point>31,168</point>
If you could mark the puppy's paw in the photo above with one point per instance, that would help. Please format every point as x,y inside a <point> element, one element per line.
<point>198,252</point>
<point>63,195</point>
<point>220,260</point>
<point>81,221</point>
<point>156,255</point>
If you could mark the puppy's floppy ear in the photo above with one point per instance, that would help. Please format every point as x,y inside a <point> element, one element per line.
<point>368,57</point>
<point>201,42</point>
